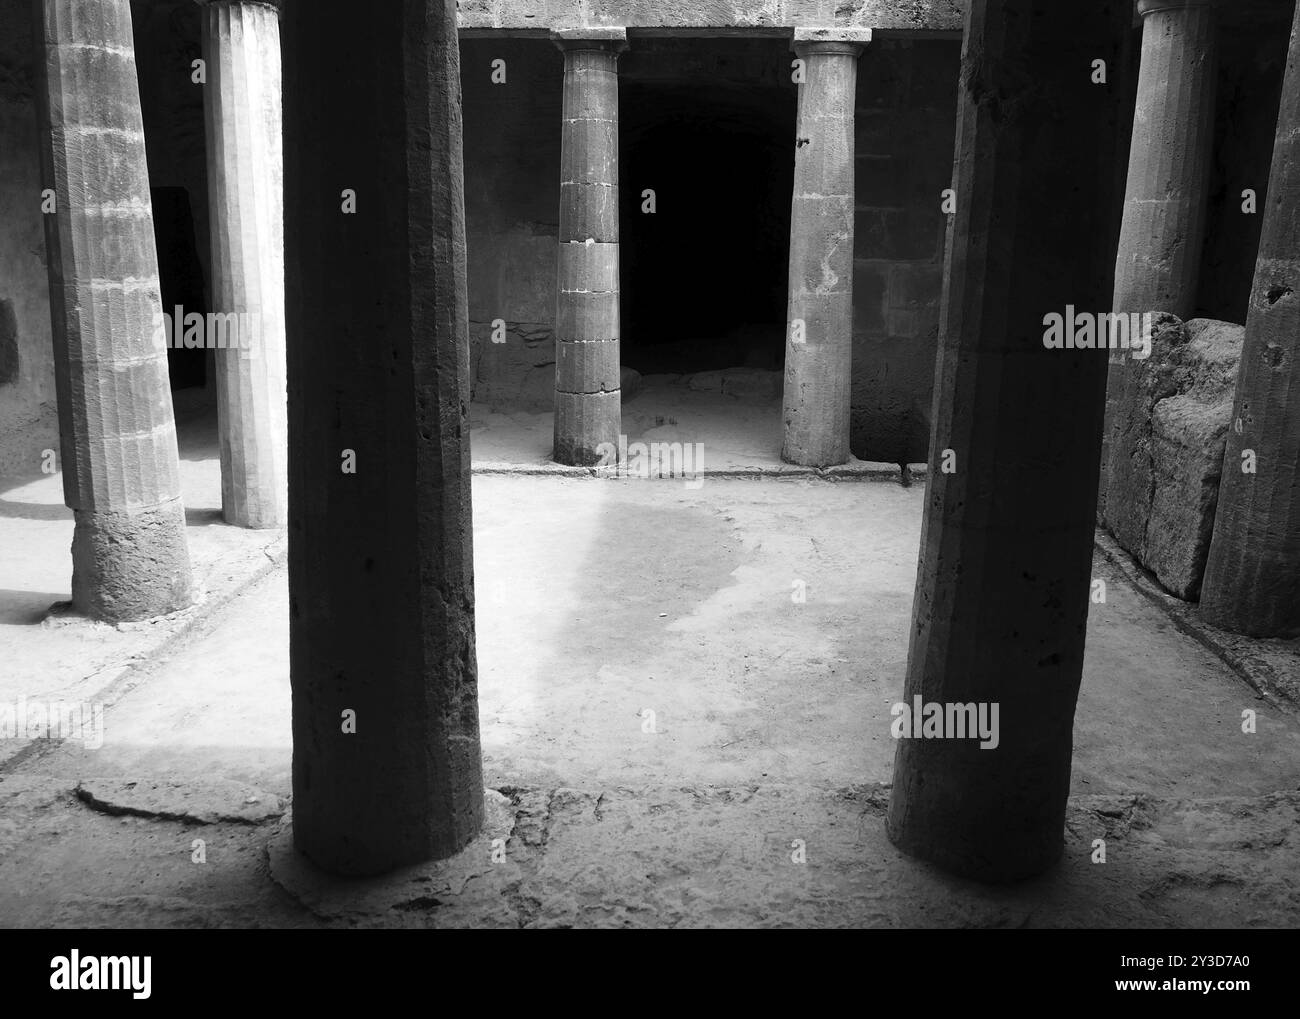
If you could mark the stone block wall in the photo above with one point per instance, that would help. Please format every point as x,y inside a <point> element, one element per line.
<point>512,183</point>
<point>1168,427</point>
<point>906,133</point>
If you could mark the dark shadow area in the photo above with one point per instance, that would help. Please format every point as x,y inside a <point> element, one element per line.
<point>27,608</point>
<point>204,517</point>
<point>34,510</point>
<point>704,277</point>
<point>181,275</point>
<point>9,355</point>
<point>1252,57</point>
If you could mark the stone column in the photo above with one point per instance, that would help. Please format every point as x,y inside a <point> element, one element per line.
<point>1252,578</point>
<point>1159,256</point>
<point>819,327</point>
<point>386,763</point>
<point>1001,602</point>
<point>121,478</point>
<point>588,396</point>
<point>241,48</point>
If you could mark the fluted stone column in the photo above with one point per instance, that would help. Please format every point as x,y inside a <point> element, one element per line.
<point>588,395</point>
<point>1252,578</point>
<point>1001,604</point>
<point>386,762</point>
<point>1159,257</point>
<point>819,327</point>
<point>130,558</point>
<point>241,48</point>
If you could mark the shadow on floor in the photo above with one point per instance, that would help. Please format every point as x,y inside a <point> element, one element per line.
<point>28,608</point>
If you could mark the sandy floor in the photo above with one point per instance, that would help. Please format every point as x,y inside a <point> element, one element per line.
<point>600,601</point>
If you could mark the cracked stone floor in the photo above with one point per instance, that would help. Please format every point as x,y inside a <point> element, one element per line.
<point>597,601</point>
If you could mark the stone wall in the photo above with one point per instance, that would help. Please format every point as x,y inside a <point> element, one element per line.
<point>512,186</point>
<point>906,132</point>
<point>27,421</point>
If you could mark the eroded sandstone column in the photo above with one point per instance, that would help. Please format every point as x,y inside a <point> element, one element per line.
<point>819,327</point>
<point>241,47</point>
<point>588,396</point>
<point>1252,578</point>
<point>1159,257</point>
<point>386,763</point>
<point>1002,590</point>
<point>130,558</point>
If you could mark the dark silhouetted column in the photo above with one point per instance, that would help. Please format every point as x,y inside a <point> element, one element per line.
<point>121,478</point>
<point>1002,591</point>
<point>380,553</point>
<point>241,47</point>
<point>819,330</point>
<point>1252,578</point>
<point>588,396</point>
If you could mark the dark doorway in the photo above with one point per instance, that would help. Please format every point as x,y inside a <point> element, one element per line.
<point>704,278</point>
<point>181,275</point>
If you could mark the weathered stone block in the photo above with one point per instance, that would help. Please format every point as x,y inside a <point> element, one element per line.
<point>587,316</point>
<point>821,252</point>
<point>512,276</point>
<point>1167,426</point>
<point>519,373</point>
<point>588,212</point>
<point>587,366</point>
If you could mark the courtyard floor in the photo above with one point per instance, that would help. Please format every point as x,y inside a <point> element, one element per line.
<point>665,727</point>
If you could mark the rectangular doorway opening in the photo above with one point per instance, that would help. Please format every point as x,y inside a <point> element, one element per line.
<point>706,169</point>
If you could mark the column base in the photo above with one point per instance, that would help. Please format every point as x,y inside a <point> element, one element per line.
<point>583,423</point>
<point>964,853</point>
<point>255,509</point>
<point>131,565</point>
<point>812,455</point>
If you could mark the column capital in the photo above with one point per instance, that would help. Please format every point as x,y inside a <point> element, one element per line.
<point>1145,7</point>
<point>846,41</point>
<point>610,40</point>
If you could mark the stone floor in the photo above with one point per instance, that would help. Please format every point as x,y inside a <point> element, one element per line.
<point>599,603</point>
